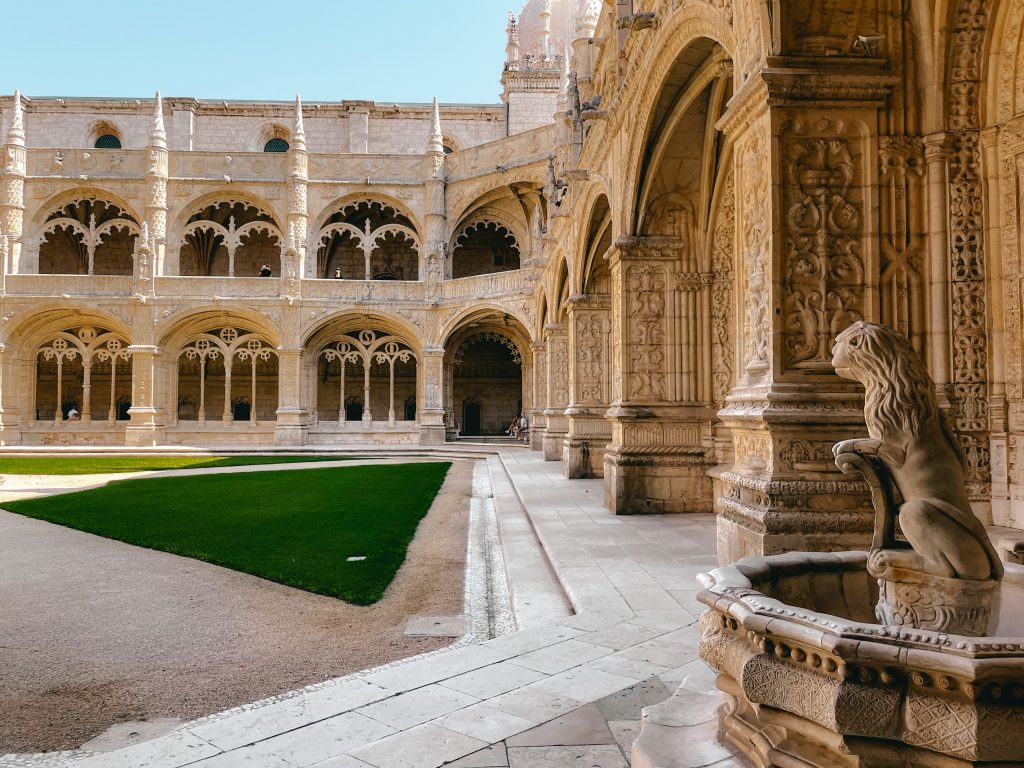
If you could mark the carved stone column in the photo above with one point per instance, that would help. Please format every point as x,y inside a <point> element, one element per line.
<point>147,426</point>
<point>12,175</point>
<point>293,251</point>
<point>555,423</point>
<point>807,178</point>
<point>589,432</point>
<point>540,397</point>
<point>292,417</point>
<point>661,447</point>
<point>156,188</point>
<point>10,431</point>
<point>431,383</point>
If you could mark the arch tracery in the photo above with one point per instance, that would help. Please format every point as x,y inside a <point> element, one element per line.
<point>368,240</point>
<point>368,348</point>
<point>224,346</point>
<point>228,237</point>
<point>81,348</point>
<point>71,238</point>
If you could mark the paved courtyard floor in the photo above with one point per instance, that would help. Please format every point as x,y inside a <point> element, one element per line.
<point>565,690</point>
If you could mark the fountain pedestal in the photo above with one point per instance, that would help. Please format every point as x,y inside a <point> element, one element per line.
<point>810,681</point>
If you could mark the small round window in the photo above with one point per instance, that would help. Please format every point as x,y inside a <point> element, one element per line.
<point>276,145</point>
<point>108,141</point>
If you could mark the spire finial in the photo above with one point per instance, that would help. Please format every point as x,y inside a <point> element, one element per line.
<point>512,46</point>
<point>16,130</point>
<point>158,136</point>
<point>299,133</point>
<point>435,143</point>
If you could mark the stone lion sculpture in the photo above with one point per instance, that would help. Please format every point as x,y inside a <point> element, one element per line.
<point>910,442</point>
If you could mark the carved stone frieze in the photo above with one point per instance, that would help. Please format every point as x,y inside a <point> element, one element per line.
<point>823,272</point>
<point>645,304</point>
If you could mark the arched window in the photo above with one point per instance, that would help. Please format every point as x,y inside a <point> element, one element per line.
<point>276,145</point>
<point>108,141</point>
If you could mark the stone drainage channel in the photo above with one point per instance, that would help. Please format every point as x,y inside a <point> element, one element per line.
<point>487,607</point>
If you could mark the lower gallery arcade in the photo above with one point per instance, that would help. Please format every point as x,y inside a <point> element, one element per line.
<point>219,379</point>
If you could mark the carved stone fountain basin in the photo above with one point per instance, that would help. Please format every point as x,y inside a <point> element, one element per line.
<point>811,680</point>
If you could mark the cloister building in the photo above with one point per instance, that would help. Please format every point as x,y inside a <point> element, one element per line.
<point>648,248</point>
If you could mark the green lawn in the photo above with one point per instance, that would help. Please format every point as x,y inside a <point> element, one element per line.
<point>294,527</point>
<point>91,465</point>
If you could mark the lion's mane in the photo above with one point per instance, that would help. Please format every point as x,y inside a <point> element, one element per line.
<point>898,390</point>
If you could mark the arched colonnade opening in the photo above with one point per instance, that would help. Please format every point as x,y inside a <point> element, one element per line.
<point>484,376</point>
<point>226,375</point>
<point>90,236</point>
<point>228,238</point>
<point>83,374</point>
<point>367,240</point>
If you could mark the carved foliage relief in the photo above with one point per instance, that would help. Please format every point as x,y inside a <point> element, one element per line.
<point>646,307</point>
<point>970,338</point>
<point>591,357</point>
<point>559,370</point>
<point>722,252</point>
<point>753,177</point>
<point>823,270</point>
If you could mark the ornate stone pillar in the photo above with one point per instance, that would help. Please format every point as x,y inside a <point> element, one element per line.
<point>661,447</point>
<point>156,189</point>
<point>589,432</point>
<point>292,418</point>
<point>431,383</point>
<point>12,204</point>
<point>432,266</point>
<point>293,252</point>
<point>147,426</point>
<point>540,397</point>
<point>807,182</point>
<point>10,431</point>
<point>555,424</point>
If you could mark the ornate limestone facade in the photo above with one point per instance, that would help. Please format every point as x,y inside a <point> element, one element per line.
<point>648,248</point>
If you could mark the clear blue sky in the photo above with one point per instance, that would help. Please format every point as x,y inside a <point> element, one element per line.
<point>327,50</point>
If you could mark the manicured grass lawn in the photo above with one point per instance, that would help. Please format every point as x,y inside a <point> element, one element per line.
<point>91,465</point>
<point>294,527</point>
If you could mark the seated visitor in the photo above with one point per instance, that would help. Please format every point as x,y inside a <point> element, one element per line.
<point>265,271</point>
<point>73,414</point>
<point>337,273</point>
<point>513,429</point>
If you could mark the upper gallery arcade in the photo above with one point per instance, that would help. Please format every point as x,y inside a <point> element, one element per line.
<point>648,247</point>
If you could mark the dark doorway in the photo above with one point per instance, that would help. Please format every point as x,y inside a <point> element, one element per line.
<point>353,409</point>
<point>241,409</point>
<point>410,409</point>
<point>123,404</point>
<point>471,417</point>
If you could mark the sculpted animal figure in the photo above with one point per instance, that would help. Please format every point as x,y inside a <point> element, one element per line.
<point>910,437</point>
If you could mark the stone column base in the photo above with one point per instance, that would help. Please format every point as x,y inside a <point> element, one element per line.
<point>586,443</point>
<point>10,431</point>
<point>771,517</point>
<point>658,459</point>
<point>432,434</point>
<point>146,428</point>
<point>292,428</point>
<point>554,435</point>
<point>648,484</point>
<point>583,456</point>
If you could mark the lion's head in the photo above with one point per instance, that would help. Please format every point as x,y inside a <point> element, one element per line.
<point>898,390</point>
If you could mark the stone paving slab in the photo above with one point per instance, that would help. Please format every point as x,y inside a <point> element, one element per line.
<point>631,630</point>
